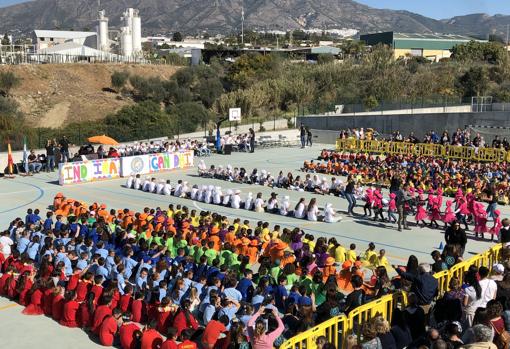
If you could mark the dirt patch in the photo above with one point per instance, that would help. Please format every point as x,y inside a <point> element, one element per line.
<point>51,95</point>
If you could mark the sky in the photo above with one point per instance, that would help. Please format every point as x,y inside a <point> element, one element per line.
<point>440,9</point>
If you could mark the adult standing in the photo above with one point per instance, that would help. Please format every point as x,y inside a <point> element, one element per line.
<point>493,201</point>
<point>455,235</point>
<point>308,136</point>
<point>424,285</point>
<point>302,135</point>
<point>504,233</point>
<point>64,149</point>
<point>349,195</point>
<point>395,183</point>
<point>403,200</point>
<point>252,140</point>
<point>50,156</point>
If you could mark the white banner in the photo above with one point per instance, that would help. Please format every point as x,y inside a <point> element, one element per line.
<point>153,163</point>
<point>103,169</point>
<point>89,171</point>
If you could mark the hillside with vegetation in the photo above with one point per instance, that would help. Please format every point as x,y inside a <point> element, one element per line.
<point>265,86</point>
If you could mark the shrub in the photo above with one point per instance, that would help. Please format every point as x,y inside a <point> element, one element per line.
<point>119,79</point>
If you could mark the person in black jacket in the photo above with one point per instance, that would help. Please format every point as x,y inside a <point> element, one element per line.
<point>504,233</point>
<point>455,235</point>
<point>424,285</point>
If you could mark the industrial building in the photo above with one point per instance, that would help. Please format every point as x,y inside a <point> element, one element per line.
<point>430,46</point>
<point>45,39</point>
<point>104,44</point>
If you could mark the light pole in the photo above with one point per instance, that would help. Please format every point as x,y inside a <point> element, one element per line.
<point>242,22</point>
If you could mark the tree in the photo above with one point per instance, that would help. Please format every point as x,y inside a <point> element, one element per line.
<point>474,82</point>
<point>8,81</point>
<point>490,52</point>
<point>208,90</point>
<point>119,79</point>
<point>177,36</point>
<point>188,116</point>
<point>5,41</point>
<point>126,123</point>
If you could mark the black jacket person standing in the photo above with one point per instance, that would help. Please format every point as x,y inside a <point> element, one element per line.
<point>455,235</point>
<point>252,140</point>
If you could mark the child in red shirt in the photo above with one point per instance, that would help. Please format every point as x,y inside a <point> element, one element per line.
<point>101,313</point>
<point>138,308</point>
<point>126,332</point>
<point>151,339</point>
<point>69,311</point>
<point>171,337</point>
<point>109,327</point>
<point>126,299</point>
<point>186,343</point>
<point>57,305</point>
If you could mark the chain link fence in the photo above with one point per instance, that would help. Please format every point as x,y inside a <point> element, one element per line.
<point>372,105</point>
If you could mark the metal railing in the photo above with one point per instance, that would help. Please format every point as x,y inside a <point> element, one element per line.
<point>423,149</point>
<point>337,329</point>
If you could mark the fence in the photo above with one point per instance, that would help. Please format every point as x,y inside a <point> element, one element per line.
<point>423,149</point>
<point>362,106</point>
<point>337,329</point>
<point>15,58</point>
<point>78,134</point>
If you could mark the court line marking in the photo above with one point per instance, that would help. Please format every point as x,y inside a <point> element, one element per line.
<point>231,214</point>
<point>41,194</point>
<point>12,305</point>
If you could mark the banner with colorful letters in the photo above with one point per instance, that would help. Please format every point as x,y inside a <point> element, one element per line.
<point>89,171</point>
<point>154,163</point>
<point>104,169</point>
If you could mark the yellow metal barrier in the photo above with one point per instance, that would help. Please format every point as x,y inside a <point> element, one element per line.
<point>373,146</point>
<point>383,306</point>
<point>423,149</point>
<point>491,155</point>
<point>334,330</point>
<point>400,148</point>
<point>348,144</point>
<point>338,328</point>
<point>443,280</point>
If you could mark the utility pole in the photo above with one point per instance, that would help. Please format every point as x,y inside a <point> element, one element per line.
<point>242,22</point>
<point>507,32</point>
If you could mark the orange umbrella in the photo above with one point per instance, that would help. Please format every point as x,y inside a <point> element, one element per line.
<point>103,140</point>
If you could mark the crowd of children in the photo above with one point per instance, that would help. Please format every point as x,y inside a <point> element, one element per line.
<point>178,278</point>
<point>140,277</point>
<point>423,172</point>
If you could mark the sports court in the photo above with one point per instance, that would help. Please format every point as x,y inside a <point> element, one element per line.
<point>21,193</point>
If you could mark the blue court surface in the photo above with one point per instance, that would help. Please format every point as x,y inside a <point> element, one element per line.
<point>21,193</point>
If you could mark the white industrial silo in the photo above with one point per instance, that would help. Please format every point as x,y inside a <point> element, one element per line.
<point>102,32</point>
<point>128,17</point>
<point>137,33</point>
<point>126,41</point>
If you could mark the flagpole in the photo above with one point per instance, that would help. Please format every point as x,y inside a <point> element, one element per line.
<point>10,163</point>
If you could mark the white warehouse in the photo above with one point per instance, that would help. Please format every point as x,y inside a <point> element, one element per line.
<point>50,38</point>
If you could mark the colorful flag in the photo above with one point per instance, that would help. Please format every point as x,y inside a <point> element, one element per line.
<point>10,162</point>
<point>25,150</point>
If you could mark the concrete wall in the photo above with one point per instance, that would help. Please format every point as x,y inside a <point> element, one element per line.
<point>431,110</point>
<point>417,123</point>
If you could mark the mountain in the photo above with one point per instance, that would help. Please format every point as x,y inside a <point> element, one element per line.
<point>480,24</point>
<point>224,16</point>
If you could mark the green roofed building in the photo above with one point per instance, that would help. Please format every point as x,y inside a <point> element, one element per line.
<point>431,46</point>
